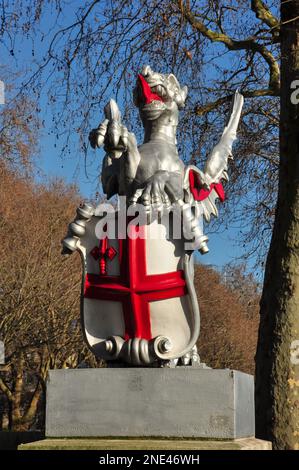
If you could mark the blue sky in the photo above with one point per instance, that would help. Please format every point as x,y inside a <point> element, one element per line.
<point>72,168</point>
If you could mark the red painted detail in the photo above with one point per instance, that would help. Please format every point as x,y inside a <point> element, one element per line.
<point>134,288</point>
<point>199,193</point>
<point>103,249</point>
<point>103,253</point>
<point>95,253</point>
<point>111,253</point>
<point>147,92</point>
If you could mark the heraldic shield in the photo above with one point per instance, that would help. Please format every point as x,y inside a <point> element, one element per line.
<point>137,302</point>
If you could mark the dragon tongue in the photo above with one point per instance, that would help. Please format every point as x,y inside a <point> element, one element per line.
<point>147,92</point>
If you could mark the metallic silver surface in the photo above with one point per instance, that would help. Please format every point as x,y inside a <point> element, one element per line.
<point>86,211</point>
<point>153,175</point>
<point>217,163</point>
<point>70,243</point>
<point>165,345</point>
<point>77,228</point>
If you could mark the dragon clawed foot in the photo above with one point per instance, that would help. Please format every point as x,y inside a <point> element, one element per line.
<point>159,192</point>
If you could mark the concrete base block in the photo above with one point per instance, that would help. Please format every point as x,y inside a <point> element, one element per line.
<point>147,444</point>
<point>139,402</point>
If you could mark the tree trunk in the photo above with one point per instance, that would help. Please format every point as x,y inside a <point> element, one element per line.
<point>277,369</point>
<point>17,394</point>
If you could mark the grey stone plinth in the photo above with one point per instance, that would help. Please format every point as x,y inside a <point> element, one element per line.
<point>249,443</point>
<point>140,402</point>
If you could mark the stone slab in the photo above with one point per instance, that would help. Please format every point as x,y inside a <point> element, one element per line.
<point>146,402</point>
<point>147,444</point>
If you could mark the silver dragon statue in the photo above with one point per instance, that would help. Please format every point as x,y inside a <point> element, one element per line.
<point>138,303</point>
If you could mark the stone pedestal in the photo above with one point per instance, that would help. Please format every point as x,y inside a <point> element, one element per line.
<point>112,444</point>
<point>143,402</point>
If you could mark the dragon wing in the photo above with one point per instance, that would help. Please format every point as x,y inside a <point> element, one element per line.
<point>216,165</point>
<point>202,188</point>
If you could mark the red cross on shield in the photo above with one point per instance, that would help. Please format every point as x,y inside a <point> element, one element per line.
<point>142,292</point>
<point>134,287</point>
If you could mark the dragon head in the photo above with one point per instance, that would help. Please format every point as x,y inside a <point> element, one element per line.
<point>156,94</point>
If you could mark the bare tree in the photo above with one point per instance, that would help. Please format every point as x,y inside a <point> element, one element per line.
<point>95,50</point>
<point>19,128</point>
<point>39,293</point>
<point>229,324</point>
<point>277,369</point>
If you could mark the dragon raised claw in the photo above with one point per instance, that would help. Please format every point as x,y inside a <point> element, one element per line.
<point>153,174</point>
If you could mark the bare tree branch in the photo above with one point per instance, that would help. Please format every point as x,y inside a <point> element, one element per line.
<point>264,14</point>
<point>248,44</point>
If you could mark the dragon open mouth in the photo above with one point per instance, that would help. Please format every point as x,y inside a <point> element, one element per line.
<point>151,98</point>
<point>150,94</point>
